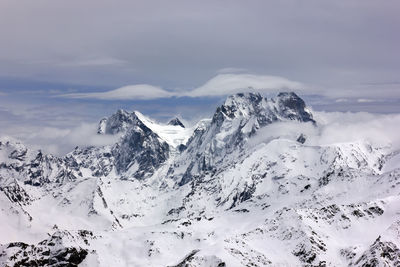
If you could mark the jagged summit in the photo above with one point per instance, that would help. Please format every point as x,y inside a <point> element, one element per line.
<point>254,111</point>
<point>122,121</point>
<point>233,123</point>
<point>286,105</point>
<point>176,122</point>
<point>293,107</point>
<point>243,98</point>
<point>238,119</point>
<point>118,122</point>
<point>140,148</point>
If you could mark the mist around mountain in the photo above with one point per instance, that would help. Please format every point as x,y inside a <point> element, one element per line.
<point>263,182</point>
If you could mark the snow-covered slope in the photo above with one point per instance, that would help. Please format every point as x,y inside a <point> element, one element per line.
<point>217,194</point>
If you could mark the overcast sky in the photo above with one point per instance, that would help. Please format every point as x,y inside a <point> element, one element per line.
<point>67,62</point>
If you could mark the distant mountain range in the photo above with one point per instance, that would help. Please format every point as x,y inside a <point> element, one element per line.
<point>219,193</point>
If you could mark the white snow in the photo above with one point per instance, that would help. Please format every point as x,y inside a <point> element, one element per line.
<point>174,135</point>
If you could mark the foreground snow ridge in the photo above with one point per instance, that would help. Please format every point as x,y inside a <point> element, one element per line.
<point>226,192</point>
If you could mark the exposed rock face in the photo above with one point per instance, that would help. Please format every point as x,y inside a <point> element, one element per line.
<point>117,123</point>
<point>176,122</point>
<point>120,122</point>
<point>292,107</point>
<point>140,147</point>
<point>49,252</point>
<point>381,253</point>
<point>33,167</point>
<point>15,193</point>
<point>233,123</point>
<point>301,139</point>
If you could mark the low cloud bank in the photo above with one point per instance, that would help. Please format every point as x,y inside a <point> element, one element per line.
<point>338,127</point>
<point>61,141</point>
<point>332,128</point>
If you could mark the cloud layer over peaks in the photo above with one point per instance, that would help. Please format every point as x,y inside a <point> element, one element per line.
<point>226,84</point>
<point>129,92</point>
<point>220,85</point>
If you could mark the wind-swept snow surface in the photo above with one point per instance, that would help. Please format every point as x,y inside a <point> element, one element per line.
<point>258,184</point>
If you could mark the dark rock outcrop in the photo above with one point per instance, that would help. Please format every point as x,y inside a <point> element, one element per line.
<point>49,252</point>
<point>176,122</point>
<point>142,146</point>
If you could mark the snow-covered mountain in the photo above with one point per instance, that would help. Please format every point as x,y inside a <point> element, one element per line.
<point>225,192</point>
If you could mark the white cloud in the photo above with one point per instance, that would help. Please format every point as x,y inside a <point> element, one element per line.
<point>365,100</point>
<point>338,127</point>
<point>130,92</point>
<point>86,134</point>
<point>377,129</point>
<point>226,84</point>
<point>59,141</point>
<point>220,85</point>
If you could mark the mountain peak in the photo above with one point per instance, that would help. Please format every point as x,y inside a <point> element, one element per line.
<point>287,94</point>
<point>116,123</point>
<point>243,98</point>
<point>291,106</point>
<point>286,105</point>
<point>122,112</point>
<point>176,122</point>
<point>290,99</point>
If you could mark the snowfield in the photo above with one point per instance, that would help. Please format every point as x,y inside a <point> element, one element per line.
<point>261,183</point>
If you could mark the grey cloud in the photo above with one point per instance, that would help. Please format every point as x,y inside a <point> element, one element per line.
<point>338,127</point>
<point>231,70</point>
<point>182,43</point>
<point>104,61</point>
